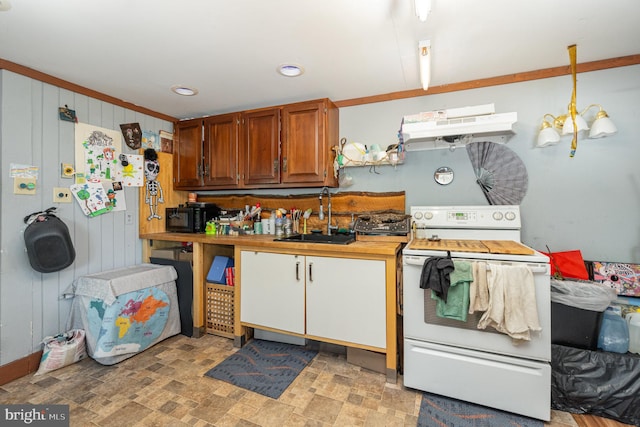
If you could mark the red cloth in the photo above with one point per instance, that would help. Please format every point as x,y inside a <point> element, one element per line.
<point>568,264</point>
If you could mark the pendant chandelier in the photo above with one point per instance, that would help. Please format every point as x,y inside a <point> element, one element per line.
<point>566,124</point>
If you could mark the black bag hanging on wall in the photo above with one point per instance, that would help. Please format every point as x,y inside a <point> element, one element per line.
<point>48,242</point>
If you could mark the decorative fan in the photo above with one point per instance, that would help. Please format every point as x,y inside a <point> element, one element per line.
<point>500,173</point>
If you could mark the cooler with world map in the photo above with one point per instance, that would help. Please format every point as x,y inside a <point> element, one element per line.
<point>125,311</point>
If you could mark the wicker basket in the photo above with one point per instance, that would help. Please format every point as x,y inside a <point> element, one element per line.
<point>220,310</point>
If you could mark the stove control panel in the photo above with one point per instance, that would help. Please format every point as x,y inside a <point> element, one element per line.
<point>467,217</point>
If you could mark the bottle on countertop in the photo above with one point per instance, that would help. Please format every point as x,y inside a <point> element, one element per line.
<point>279,221</point>
<point>272,223</point>
<point>287,226</point>
<point>257,227</point>
<point>210,227</point>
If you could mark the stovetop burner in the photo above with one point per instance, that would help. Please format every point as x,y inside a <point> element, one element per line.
<point>383,224</point>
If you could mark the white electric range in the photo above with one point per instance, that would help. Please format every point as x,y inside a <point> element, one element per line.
<point>455,358</point>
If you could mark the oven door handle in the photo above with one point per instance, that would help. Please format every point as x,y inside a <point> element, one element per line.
<point>414,260</point>
<point>535,267</point>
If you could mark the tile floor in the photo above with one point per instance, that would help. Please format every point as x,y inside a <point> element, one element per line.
<point>165,386</point>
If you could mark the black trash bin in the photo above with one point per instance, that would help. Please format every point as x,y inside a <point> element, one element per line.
<point>577,308</point>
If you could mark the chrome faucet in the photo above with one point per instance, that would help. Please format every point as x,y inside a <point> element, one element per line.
<point>321,213</point>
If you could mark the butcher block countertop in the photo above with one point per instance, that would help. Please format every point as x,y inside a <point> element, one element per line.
<point>266,241</point>
<point>481,246</point>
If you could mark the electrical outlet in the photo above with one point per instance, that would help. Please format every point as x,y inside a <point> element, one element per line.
<point>24,186</point>
<point>129,218</point>
<point>62,195</point>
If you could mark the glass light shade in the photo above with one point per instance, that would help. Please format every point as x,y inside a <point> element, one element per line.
<point>290,70</point>
<point>602,126</point>
<point>184,90</point>
<point>547,136</point>
<point>567,128</point>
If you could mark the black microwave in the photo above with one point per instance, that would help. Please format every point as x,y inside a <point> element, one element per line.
<point>191,218</point>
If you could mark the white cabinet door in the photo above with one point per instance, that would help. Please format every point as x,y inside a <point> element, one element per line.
<point>346,300</point>
<point>272,290</point>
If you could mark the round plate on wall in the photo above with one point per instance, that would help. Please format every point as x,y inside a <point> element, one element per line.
<point>443,175</point>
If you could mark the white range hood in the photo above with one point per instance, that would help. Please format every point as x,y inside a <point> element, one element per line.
<point>457,127</point>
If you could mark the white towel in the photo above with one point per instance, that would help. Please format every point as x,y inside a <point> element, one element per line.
<point>512,302</point>
<point>479,290</point>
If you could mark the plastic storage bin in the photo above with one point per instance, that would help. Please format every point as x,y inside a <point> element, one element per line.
<point>576,312</point>
<point>633,322</point>
<point>575,327</point>
<point>125,311</point>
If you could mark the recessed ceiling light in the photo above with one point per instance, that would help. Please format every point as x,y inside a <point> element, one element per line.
<point>290,70</point>
<point>183,90</point>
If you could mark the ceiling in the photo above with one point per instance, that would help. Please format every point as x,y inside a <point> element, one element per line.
<point>135,50</point>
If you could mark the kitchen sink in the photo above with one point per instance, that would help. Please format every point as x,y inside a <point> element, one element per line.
<point>336,239</point>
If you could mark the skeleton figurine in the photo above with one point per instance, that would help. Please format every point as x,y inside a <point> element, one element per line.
<point>153,191</point>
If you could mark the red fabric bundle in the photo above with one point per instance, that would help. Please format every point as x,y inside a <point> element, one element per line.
<point>568,264</point>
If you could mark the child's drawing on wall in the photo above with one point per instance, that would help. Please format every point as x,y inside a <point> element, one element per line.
<point>115,195</point>
<point>129,170</point>
<point>99,156</point>
<point>91,198</point>
<point>96,153</point>
<point>150,139</point>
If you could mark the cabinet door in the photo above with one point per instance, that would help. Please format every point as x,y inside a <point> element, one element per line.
<point>309,131</point>
<point>221,151</point>
<point>272,290</point>
<point>261,147</point>
<point>187,155</point>
<point>346,300</point>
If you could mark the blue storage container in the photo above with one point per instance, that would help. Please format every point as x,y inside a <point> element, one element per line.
<point>614,333</point>
<point>217,273</point>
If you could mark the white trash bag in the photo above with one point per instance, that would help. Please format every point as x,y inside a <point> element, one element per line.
<point>585,295</point>
<point>62,350</point>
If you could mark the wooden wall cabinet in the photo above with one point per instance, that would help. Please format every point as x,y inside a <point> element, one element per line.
<point>187,155</point>
<point>309,133</point>
<point>260,148</point>
<point>206,153</point>
<point>277,147</point>
<point>221,154</point>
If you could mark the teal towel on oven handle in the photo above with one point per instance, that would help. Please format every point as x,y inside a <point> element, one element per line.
<point>457,304</point>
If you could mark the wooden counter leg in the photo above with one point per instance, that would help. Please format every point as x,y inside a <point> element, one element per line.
<point>392,346</point>
<point>199,309</point>
<point>241,333</point>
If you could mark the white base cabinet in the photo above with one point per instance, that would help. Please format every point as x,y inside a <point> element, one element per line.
<point>272,290</point>
<point>346,300</point>
<point>342,299</point>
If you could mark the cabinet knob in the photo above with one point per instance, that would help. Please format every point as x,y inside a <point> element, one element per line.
<point>284,164</point>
